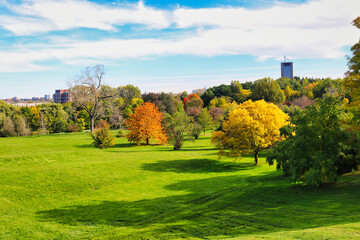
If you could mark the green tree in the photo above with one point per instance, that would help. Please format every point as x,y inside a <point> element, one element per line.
<point>177,128</point>
<point>128,93</point>
<point>20,126</point>
<point>8,129</point>
<point>354,60</point>
<point>314,145</point>
<point>269,90</point>
<point>205,120</point>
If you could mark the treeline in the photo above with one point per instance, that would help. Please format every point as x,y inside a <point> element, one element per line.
<point>292,95</point>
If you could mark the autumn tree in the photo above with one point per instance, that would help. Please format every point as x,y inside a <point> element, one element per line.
<point>192,105</point>
<point>86,92</point>
<point>145,124</point>
<point>250,128</point>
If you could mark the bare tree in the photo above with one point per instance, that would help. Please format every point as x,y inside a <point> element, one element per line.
<point>86,91</point>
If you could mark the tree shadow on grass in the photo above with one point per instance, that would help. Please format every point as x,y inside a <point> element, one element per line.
<point>196,166</point>
<point>90,145</point>
<point>221,206</point>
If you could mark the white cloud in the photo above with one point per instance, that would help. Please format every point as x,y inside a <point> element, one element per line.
<point>317,29</point>
<point>37,16</point>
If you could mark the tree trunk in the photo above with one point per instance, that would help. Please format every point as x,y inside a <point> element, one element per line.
<point>92,124</point>
<point>256,158</point>
<point>147,141</point>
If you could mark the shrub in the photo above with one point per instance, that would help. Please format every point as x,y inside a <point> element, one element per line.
<point>120,133</point>
<point>59,125</point>
<point>80,124</point>
<point>72,128</point>
<point>102,124</point>
<point>103,138</point>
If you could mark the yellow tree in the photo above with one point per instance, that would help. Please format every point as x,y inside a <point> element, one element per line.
<point>145,124</point>
<point>250,128</point>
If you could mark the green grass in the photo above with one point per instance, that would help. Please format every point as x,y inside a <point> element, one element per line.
<point>60,187</point>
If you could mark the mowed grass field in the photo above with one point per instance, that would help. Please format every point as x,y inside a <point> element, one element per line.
<point>61,187</point>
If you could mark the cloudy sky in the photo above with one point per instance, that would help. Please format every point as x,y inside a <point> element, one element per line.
<point>170,45</point>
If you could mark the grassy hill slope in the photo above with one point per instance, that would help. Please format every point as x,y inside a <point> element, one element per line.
<point>60,187</point>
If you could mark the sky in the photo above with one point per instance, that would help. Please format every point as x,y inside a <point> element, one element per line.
<point>170,46</point>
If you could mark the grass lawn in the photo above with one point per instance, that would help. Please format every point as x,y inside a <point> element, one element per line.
<point>60,187</point>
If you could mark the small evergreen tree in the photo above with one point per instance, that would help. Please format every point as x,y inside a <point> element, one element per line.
<point>102,136</point>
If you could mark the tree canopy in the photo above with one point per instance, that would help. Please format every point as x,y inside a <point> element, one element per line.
<point>250,128</point>
<point>145,124</point>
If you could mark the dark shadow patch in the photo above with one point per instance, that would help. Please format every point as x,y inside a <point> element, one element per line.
<point>196,166</point>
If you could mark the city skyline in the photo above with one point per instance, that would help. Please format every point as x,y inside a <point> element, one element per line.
<point>169,46</point>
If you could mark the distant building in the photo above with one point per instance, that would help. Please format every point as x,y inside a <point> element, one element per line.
<point>26,104</point>
<point>61,96</point>
<point>47,97</point>
<point>287,69</point>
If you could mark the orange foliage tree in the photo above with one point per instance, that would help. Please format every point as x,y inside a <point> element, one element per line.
<point>145,124</point>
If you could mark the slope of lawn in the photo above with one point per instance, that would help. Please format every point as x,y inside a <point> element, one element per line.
<point>60,187</point>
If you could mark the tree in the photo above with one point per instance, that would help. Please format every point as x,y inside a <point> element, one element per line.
<point>129,92</point>
<point>250,128</point>
<point>192,105</point>
<point>195,129</point>
<point>134,103</point>
<point>352,81</point>
<point>8,129</point>
<point>145,124</point>
<point>177,128</point>
<point>20,126</point>
<point>354,61</point>
<point>317,148</point>
<point>164,101</point>
<point>205,120</point>
<point>269,90</point>
<point>86,93</point>
<point>102,136</point>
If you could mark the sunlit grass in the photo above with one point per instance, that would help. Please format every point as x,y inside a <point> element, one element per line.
<point>61,187</point>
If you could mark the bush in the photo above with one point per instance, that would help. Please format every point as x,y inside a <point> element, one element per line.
<point>80,124</point>
<point>59,125</point>
<point>102,124</point>
<point>103,138</point>
<point>120,133</point>
<point>72,128</point>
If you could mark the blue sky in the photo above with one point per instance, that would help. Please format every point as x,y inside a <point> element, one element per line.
<point>169,46</point>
